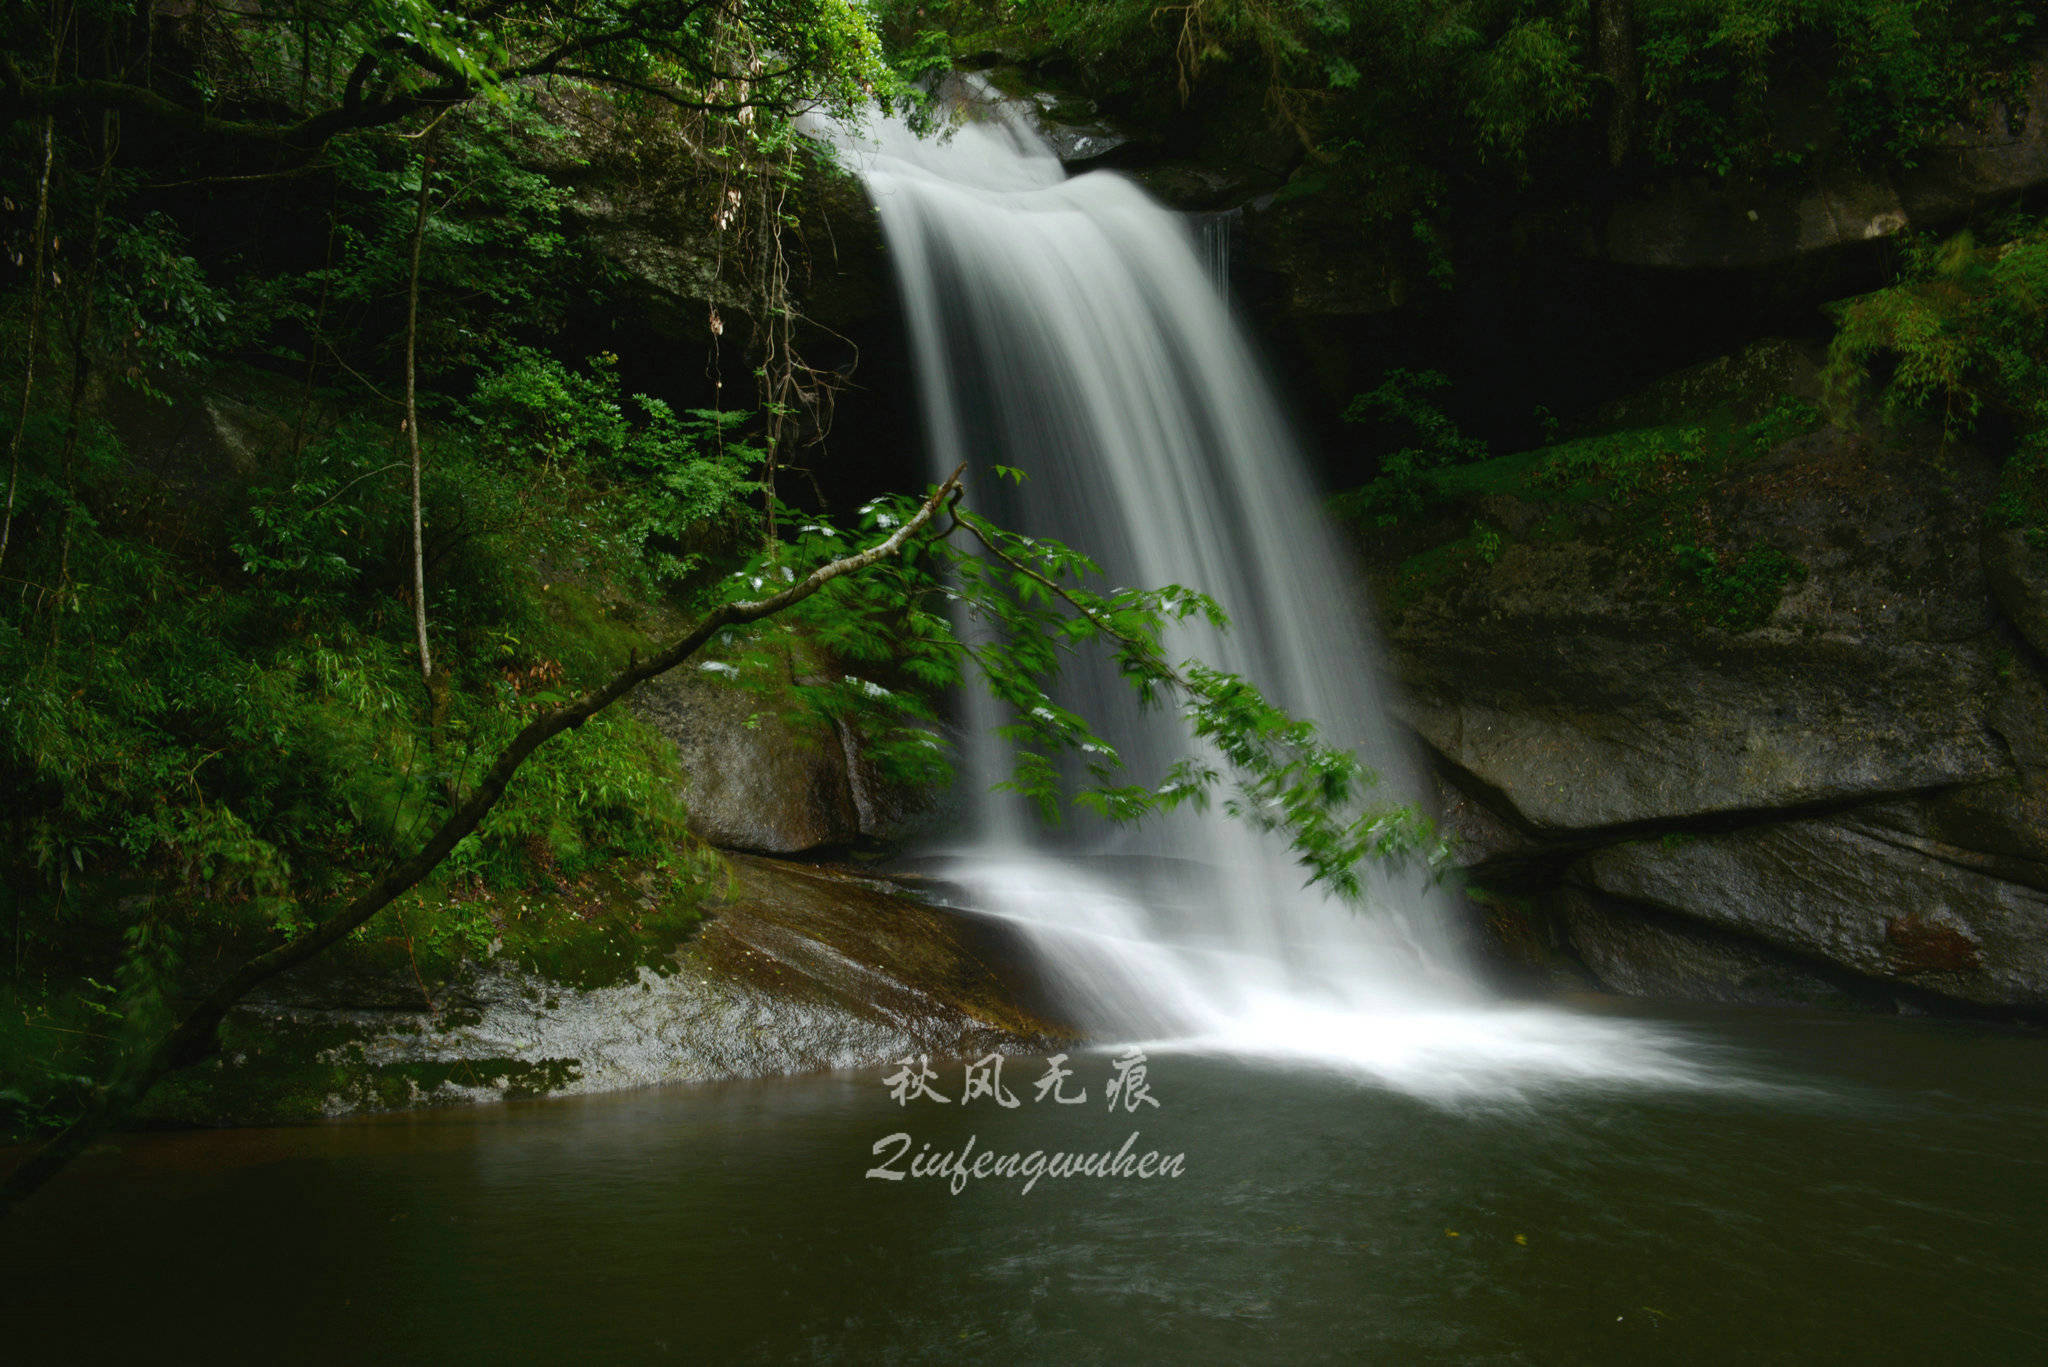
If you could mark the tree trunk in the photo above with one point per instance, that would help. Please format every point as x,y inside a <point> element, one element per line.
<point>39,251</point>
<point>435,691</point>
<point>1614,28</point>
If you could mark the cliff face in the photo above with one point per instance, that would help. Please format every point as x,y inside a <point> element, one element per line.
<point>1771,730</point>
<point>1754,717</point>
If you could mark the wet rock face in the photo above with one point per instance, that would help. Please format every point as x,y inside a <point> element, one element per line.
<point>800,969</point>
<point>1848,803</point>
<point>652,205</point>
<point>1640,952</point>
<point>754,782</point>
<point>759,783</point>
<point>1705,730</point>
<point>1861,892</point>
<point>1566,678</point>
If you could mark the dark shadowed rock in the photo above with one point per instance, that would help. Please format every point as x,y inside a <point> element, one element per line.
<point>653,205</point>
<point>2018,575</point>
<point>1859,892</point>
<point>756,782</point>
<point>752,781</point>
<point>1641,951</point>
<point>1312,243</point>
<point>1567,679</point>
<point>1702,222</point>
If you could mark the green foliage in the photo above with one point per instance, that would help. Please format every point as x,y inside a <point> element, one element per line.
<point>1529,80</point>
<point>1520,71</point>
<point>1621,463</point>
<point>1963,332</point>
<point>158,306</point>
<point>1897,73</point>
<point>1962,336</point>
<point>2022,498</point>
<point>1401,405</point>
<point>1635,465</point>
<point>1735,593</point>
<point>1415,113</point>
<point>53,1045</point>
<point>671,487</point>
<point>495,261</point>
<point>1037,601</point>
<point>607,791</point>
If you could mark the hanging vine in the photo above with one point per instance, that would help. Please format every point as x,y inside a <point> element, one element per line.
<point>757,153</point>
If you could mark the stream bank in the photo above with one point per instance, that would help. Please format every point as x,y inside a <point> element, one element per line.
<point>796,968</point>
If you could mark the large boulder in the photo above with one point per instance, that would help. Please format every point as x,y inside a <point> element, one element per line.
<point>1641,950</point>
<point>1838,794</point>
<point>1862,892</point>
<point>1573,679</point>
<point>1702,222</point>
<point>759,781</point>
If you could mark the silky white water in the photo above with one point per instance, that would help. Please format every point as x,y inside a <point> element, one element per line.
<point>1070,328</point>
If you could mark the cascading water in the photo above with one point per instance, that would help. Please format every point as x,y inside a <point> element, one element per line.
<point>1069,328</point>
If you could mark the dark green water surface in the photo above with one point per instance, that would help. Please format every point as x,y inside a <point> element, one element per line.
<point>1883,1200</point>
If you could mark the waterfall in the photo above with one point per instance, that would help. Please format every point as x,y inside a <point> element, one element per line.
<point>1070,327</point>
<point>1214,231</point>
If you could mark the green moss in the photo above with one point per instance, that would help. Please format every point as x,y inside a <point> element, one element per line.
<point>1733,592</point>
<point>595,931</point>
<point>1651,484</point>
<point>1638,469</point>
<point>1424,573</point>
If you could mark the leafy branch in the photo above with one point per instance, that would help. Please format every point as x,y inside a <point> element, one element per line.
<point>194,1036</point>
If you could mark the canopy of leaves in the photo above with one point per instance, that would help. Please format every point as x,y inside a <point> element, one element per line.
<point>289,76</point>
<point>1398,100</point>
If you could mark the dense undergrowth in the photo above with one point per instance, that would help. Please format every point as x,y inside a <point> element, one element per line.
<point>214,722</point>
<point>218,724</point>
<point>1958,345</point>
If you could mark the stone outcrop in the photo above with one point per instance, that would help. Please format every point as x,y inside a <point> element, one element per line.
<point>1846,802</point>
<point>800,968</point>
<point>2018,575</point>
<point>759,782</point>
